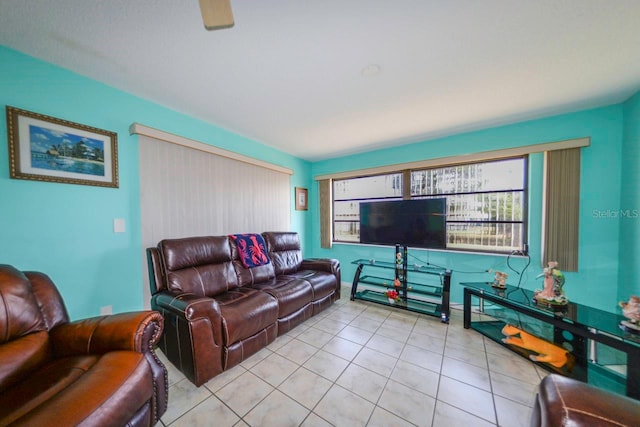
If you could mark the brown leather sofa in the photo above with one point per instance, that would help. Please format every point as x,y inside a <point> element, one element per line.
<point>563,401</point>
<point>94,372</point>
<point>218,312</point>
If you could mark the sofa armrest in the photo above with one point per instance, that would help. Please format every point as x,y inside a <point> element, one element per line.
<point>135,331</point>
<point>321,264</point>
<point>191,308</point>
<point>329,265</point>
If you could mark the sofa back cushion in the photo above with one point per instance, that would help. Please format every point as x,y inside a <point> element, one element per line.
<point>284,251</point>
<point>198,265</point>
<point>23,333</point>
<point>249,276</point>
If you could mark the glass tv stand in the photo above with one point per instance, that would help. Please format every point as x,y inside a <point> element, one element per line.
<point>427,292</point>
<point>604,354</point>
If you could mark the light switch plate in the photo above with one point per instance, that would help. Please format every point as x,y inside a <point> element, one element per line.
<point>118,225</point>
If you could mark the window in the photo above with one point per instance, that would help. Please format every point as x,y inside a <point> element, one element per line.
<point>486,202</point>
<point>347,195</point>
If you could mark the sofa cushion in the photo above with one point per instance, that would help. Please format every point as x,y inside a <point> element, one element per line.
<point>199,265</point>
<point>292,294</point>
<point>248,277</point>
<point>245,312</point>
<point>194,251</point>
<point>20,357</point>
<point>321,282</point>
<point>86,387</point>
<point>43,384</point>
<point>207,280</point>
<point>284,251</point>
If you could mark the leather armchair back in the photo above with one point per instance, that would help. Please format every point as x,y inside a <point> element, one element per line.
<point>49,299</point>
<point>563,401</point>
<point>19,311</point>
<point>27,311</point>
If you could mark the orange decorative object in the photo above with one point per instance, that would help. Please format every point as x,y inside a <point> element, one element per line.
<point>547,352</point>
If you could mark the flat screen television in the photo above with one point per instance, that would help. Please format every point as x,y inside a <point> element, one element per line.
<point>419,223</point>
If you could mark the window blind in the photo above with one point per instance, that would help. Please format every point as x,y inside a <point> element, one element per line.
<point>326,232</point>
<point>562,208</point>
<point>189,192</point>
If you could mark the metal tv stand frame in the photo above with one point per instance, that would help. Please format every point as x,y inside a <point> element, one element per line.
<point>589,334</point>
<point>427,293</point>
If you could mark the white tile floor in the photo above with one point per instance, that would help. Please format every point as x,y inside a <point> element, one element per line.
<point>360,364</point>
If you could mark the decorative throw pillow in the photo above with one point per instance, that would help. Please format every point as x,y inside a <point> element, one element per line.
<point>251,249</point>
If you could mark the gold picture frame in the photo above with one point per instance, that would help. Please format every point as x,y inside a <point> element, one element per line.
<point>302,199</point>
<point>45,148</point>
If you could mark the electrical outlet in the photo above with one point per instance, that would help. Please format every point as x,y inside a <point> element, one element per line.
<point>107,309</point>
<point>118,225</point>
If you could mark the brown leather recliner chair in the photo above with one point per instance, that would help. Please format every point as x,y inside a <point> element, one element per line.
<point>563,401</point>
<point>99,372</point>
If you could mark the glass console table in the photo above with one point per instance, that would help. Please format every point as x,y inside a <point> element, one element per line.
<point>604,354</point>
<point>427,292</point>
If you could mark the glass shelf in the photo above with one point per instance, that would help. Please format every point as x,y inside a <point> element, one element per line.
<point>604,354</point>
<point>418,268</point>
<point>427,292</point>
<point>420,306</point>
<point>418,288</point>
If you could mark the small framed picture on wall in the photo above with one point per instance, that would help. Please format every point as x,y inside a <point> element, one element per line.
<point>302,199</point>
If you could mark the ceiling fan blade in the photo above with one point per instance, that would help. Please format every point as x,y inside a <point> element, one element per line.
<point>216,14</point>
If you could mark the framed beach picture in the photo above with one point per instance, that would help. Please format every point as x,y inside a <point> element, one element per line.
<point>302,204</point>
<point>44,148</point>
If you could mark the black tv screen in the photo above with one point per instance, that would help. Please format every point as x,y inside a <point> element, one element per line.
<point>419,223</point>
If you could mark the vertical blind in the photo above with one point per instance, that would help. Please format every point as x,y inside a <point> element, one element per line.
<point>187,192</point>
<point>326,217</point>
<point>562,208</point>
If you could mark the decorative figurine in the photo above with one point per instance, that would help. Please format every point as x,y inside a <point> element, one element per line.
<point>500,280</point>
<point>631,310</point>
<point>553,292</point>
<point>547,352</point>
<point>399,260</point>
<point>392,295</point>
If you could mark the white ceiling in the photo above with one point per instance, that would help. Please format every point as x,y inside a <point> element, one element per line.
<point>292,74</point>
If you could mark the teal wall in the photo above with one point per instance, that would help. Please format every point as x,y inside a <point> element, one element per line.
<point>66,230</point>
<point>630,202</point>
<point>596,282</point>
